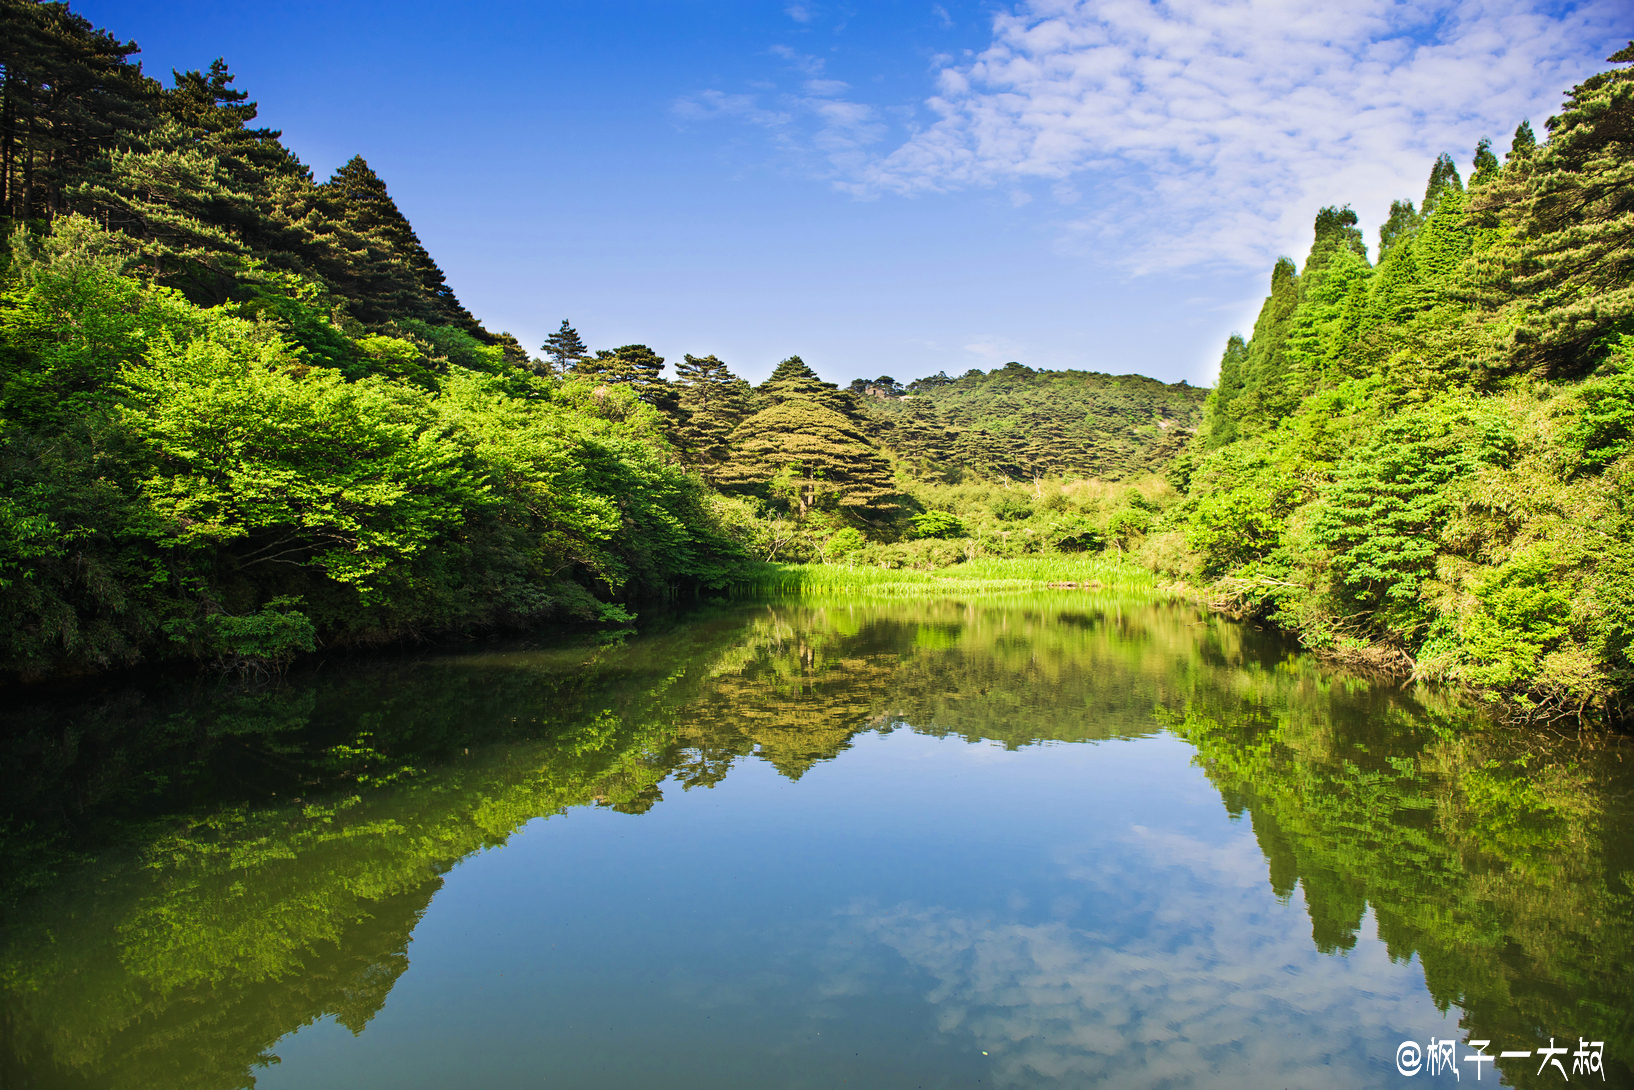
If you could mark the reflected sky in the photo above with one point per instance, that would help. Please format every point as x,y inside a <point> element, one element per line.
<point>1052,841</point>
<point>919,912</point>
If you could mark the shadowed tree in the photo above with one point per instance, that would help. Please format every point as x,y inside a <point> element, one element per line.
<point>714,402</point>
<point>811,458</point>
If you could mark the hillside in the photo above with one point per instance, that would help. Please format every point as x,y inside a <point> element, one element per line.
<point>1426,462</point>
<point>1018,423</point>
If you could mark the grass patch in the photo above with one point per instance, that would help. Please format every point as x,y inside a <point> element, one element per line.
<point>990,575</point>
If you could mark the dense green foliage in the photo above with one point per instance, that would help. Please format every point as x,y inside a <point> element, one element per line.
<point>243,415</point>
<point>1021,424</point>
<point>173,471</point>
<point>1424,463</point>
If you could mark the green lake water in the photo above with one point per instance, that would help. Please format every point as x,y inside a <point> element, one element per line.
<point>1051,841</point>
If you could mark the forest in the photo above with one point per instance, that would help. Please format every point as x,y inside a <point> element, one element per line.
<point>243,416</point>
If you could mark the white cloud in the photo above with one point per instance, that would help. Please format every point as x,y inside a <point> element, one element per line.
<point>826,86</point>
<point>1208,132</point>
<point>708,105</point>
<point>835,134</point>
<point>804,62</point>
<point>1188,974</point>
<point>798,12</point>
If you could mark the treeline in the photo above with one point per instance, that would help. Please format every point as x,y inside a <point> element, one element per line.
<point>241,412</point>
<point>1424,461</point>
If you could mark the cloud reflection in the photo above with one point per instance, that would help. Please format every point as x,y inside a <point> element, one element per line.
<point>1200,979</point>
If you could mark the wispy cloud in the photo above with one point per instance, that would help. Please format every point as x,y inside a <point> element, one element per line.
<point>1200,131</point>
<point>824,133</point>
<point>709,105</point>
<point>798,12</point>
<point>811,66</point>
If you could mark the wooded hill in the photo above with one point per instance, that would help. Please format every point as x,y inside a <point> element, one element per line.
<point>1428,462</point>
<point>1021,424</point>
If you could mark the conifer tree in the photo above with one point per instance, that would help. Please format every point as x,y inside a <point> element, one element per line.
<point>714,402</point>
<point>1571,204</point>
<point>793,380</point>
<point>394,276</point>
<point>1332,289</point>
<point>1486,164</point>
<point>1397,227</point>
<point>812,458</point>
<point>1523,144</point>
<point>1267,394</point>
<point>564,349</point>
<point>1443,178</point>
<point>637,366</point>
<point>1219,421</point>
<point>68,94</point>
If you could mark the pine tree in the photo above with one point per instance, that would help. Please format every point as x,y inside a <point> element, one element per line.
<point>1219,425</point>
<point>391,274</point>
<point>640,367</point>
<point>1523,144</point>
<point>1267,393</point>
<point>1443,178</point>
<point>714,402</point>
<point>1571,205</point>
<point>793,380</point>
<point>1398,227</point>
<point>1331,289</point>
<point>1486,164</point>
<point>565,350</point>
<point>67,96</point>
<point>812,458</point>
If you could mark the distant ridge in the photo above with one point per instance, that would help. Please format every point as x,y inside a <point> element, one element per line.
<point>1021,423</point>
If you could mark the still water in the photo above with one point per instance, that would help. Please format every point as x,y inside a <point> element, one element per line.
<point>1055,841</point>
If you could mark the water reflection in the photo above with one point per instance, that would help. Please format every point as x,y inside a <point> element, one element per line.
<point>197,872</point>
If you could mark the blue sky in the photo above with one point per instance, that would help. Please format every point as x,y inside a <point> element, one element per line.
<point>885,188</point>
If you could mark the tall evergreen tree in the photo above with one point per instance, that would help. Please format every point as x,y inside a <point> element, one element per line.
<point>66,94</point>
<point>637,366</point>
<point>1219,421</point>
<point>793,380</point>
<point>1524,143</point>
<point>714,402</point>
<point>1443,179</point>
<point>1397,227</point>
<point>394,275</point>
<point>812,458</point>
<point>1571,206</point>
<point>1486,163</point>
<point>564,349</point>
<point>1267,393</point>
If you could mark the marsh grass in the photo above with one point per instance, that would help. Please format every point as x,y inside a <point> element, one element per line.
<point>988,575</point>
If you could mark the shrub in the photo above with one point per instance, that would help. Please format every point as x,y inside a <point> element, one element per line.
<point>936,524</point>
<point>1012,508</point>
<point>263,642</point>
<point>842,543</point>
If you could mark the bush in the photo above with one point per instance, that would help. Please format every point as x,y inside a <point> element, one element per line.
<point>1523,612</point>
<point>1077,534</point>
<point>936,524</point>
<point>1012,508</point>
<point>1127,524</point>
<point>842,543</point>
<point>264,642</point>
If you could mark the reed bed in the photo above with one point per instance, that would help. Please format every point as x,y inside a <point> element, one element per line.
<point>989,575</point>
